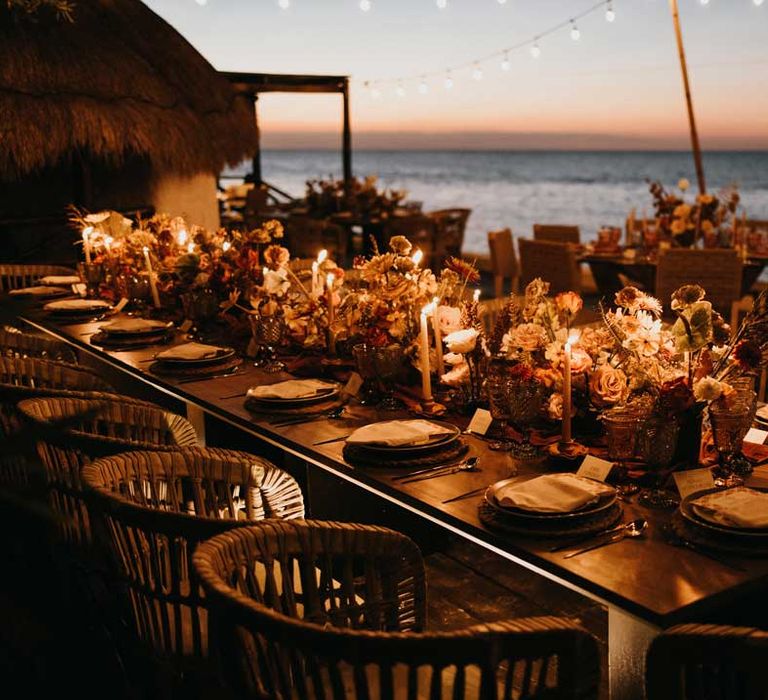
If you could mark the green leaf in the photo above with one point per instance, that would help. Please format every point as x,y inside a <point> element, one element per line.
<point>693,328</point>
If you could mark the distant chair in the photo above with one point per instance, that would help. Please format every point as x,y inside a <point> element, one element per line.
<point>560,233</point>
<point>690,662</point>
<point>553,262</point>
<point>310,609</point>
<point>18,343</point>
<point>718,271</point>
<point>451,225</point>
<point>14,276</point>
<point>757,224</point>
<point>504,263</point>
<point>420,230</point>
<point>306,237</point>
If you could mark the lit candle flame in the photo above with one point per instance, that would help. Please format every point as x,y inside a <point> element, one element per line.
<point>226,246</point>
<point>321,256</point>
<point>428,309</point>
<point>146,250</point>
<point>190,247</point>
<point>87,231</point>
<point>108,242</point>
<point>182,237</point>
<point>476,296</point>
<point>330,279</point>
<point>573,337</point>
<point>418,256</point>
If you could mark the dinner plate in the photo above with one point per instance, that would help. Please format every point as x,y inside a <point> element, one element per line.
<point>59,280</point>
<point>597,505</point>
<point>221,355</point>
<point>156,328</point>
<point>77,307</point>
<point>694,515</point>
<point>40,292</point>
<point>321,395</point>
<point>437,442</point>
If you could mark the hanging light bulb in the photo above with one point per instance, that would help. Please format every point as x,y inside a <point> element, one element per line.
<point>610,15</point>
<point>284,4</point>
<point>365,5</point>
<point>535,50</point>
<point>441,4</point>
<point>477,72</point>
<point>575,33</point>
<point>448,82</point>
<point>400,90</point>
<point>423,87</point>
<point>505,64</point>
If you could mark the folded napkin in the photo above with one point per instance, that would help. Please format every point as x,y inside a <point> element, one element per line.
<point>762,412</point>
<point>552,493</point>
<point>76,305</point>
<point>736,507</point>
<point>397,433</point>
<point>60,280</point>
<point>189,351</point>
<point>132,325</point>
<point>291,389</point>
<point>37,291</point>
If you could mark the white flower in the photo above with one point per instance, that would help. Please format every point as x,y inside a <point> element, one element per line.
<point>645,339</point>
<point>98,217</point>
<point>276,282</point>
<point>452,358</point>
<point>462,341</point>
<point>707,389</point>
<point>555,407</point>
<point>457,376</point>
<point>528,336</point>
<point>449,318</point>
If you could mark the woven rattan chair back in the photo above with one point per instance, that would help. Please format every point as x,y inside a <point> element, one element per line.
<point>450,226</point>
<point>719,271</point>
<point>504,263</point>
<point>19,276</point>
<point>157,506</point>
<point>690,662</point>
<point>16,343</point>
<point>553,262</point>
<point>560,233</point>
<point>96,427</point>
<point>420,230</point>
<point>312,609</point>
<point>25,378</point>
<point>306,237</point>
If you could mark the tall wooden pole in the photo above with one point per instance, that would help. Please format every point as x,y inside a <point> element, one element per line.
<point>688,99</point>
<point>346,135</point>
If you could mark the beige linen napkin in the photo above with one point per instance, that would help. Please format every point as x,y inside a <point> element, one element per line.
<point>132,325</point>
<point>737,507</point>
<point>397,433</point>
<point>60,280</point>
<point>76,305</point>
<point>36,291</point>
<point>189,351</point>
<point>291,389</point>
<point>552,493</point>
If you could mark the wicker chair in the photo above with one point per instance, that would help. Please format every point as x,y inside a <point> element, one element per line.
<point>420,230</point>
<point>16,343</point>
<point>26,378</point>
<point>102,426</point>
<point>504,261</point>
<point>691,662</point>
<point>157,506</point>
<point>719,271</point>
<point>310,609</point>
<point>20,276</point>
<point>553,262</point>
<point>560,233</point>
<point>306,237</point>
<point>450,226</point>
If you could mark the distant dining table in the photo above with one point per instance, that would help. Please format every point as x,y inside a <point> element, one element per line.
<point>609,268</point>
<point>646,585</point>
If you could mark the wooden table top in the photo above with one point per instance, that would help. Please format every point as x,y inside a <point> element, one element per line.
<point>647,578</point>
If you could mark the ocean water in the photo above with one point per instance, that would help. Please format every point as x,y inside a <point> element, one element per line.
<point>520,188</point>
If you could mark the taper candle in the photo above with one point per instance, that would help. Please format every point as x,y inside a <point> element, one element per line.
<point>329,280</point>
<point>426,383</point>
<point>438,339</point>
<point>87,231</point>
<point>152,283</point>
<point>566,437</point>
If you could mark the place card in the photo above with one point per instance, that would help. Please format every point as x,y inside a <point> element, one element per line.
<point>595,468</point>
<point>121,304</point>
<point>480,422</point>
<point>185,326</point>
<point>79,289</point>
<point>756,436</point>
<point>352,387</point>
<point>693,480</point>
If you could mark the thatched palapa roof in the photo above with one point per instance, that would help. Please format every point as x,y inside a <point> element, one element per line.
<point>116,82</point>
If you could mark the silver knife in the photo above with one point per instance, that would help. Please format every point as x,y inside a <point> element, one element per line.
<point>613,540</point>
<point>447,472</point>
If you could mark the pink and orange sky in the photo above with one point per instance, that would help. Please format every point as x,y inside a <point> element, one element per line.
<point>618,86</point>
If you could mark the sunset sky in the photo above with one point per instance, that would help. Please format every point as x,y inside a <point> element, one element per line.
<point>617,86</point>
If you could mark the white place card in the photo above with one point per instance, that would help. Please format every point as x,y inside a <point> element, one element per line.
<point>352,387</point>
<point>480,422</point>
<point>595,468</point>
<point>121,304</point>
<point>184,327</point>
<point>693,480</point>
<point>756,436</point>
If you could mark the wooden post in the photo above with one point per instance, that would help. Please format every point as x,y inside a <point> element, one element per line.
<point>346,139</point>
<point>688,99</point>
<point>256,167</point>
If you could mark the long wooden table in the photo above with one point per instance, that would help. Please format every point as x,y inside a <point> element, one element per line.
<point>646,584</point>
